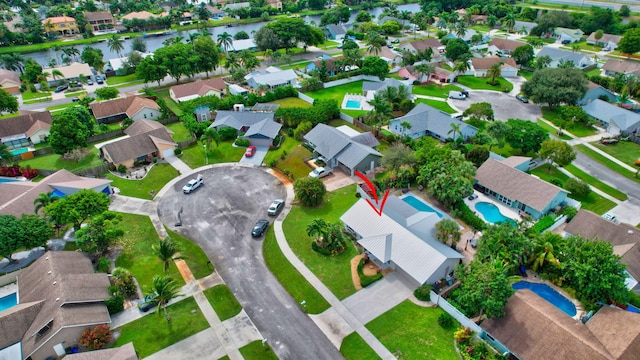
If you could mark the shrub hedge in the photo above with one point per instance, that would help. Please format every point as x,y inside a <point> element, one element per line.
<point>462,211</point>
<point>364,279</point>
<point>543,224</point>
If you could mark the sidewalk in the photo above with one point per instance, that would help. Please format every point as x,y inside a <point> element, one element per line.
<point>179,165</point>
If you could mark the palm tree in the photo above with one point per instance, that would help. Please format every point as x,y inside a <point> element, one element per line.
<point>460,67</point>
<point>13,62</point>
<point>424,69</point>
<point>405,126</point>
<point>374,43</point>
<point>461,29</point>
<point>210,135</point>
<point>163,290</point>
<point>543,61</point>
<point>429,19</point>
<point>492,21</point>
<point>455,129</point>
<point>317,229</point>
<point>544,251</point>
<point>494,72</point>
<point>5,154</point>
<point>55,73</point>
<point>43,200</point>
<point>509,21</point>
<point>165,250</point>
<point>447,229</point>
<point>115,44</point>
<point>404,15</point>
<point>232,61</point>
<point>225,40</point>
<point>381,109</point>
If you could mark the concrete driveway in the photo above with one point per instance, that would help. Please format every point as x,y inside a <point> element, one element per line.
<point>256,159</point>
<point>505,106</point>
<point>219,217</point>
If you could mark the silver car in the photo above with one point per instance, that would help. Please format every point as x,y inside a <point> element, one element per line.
<point>275,207</point>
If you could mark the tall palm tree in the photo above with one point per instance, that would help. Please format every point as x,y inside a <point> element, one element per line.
<point>210,135</point>
<point>115,44</point>
<point>55,73</point>
<point>43,200</point>
<point>225,40</point>
<point>5,154</point>
<point>73,51</point>
<point>494,72</point>
<point>461,29</point>
<point>232,61</point>
<point>425,69</point>
<point>317,229</point>
<point>455,129</point>
<point>382,109</point>
<point>374,43</point>
<point>429,19</point>
<point>460,67</point>
<point>509,21</point>
<point>165,251</point>
<point>163,290</point>
<point>492,21</point>
<point>545,249</point>
<point>405,126</point>
<point>404,15</point>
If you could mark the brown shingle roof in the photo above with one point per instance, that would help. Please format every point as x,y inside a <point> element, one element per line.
<point>21,124</point>
<point>144,126</point>
<point>136,146</point>
<point>618,330</point>
<point>98,15</point>
<point>9,75</point>
<point>505,44</point>
<point>422,45</point>
<point>486,63</point>
<point>39,125</point>
<point>15,321</point>
<point>516,185</point>
<point>128,105</point>
<point>605,38</point>
<point>199,87</point>
<point>124,352</point>
<point>622,66</point>
<point>534,329</point>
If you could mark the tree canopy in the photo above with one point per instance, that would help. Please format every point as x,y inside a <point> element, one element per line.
<point>99,233</point>
<point>373,65</point>
<point>69,130</point>
<point>630,42</point>
<point>556,86</point>
<point>525,135</point>
<point>28,231</point>
<point>457,49</point>
<point>484,289</point>
<point>78,207</point>
<point>290,31</point>
<point>310,191</point>
<point>8,103</point>
<point>557,152</point>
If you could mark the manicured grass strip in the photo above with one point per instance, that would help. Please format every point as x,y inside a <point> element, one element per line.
<point>61,107</point>
<point>180,133</point>
<point>9,115</point>
<point>596,183</point>
<point>291,102</point>
<point>158,176</point>
<point>435,90</point>
<point>137,255</point>
<point>57,162</point>
<point>416,333</point>
<point>333,271</point>
<point>256,351</point>
<point>293,161</point>
<point>577,129</point>
<point>44,99</point>
<point>354,113</point>
<point>75,93</point>
<point>551,130</point>
<point>337,92</point>
<point>476,83</point>
<point>223,302</point>
<point>153,333</point>
<point>295,284</point>
<point>440,105</point>
<point>115,80</point>
<point>625,151</point>
<point>193,255</point>
<point>164,94</point>
<point>606,162</point>
<point>225,152</point>
<point>28,95</point>
<point>353,347</point>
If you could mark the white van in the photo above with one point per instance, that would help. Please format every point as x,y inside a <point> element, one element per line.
<point>457,95</point>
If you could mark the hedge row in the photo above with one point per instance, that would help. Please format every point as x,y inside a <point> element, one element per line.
<point>322,111</point>
<point>543,224</point>
<point>462,211</point>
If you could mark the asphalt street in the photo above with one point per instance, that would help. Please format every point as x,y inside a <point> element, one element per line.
<point>599,171</point>
<point>219,216</point>
<point>505,106</point>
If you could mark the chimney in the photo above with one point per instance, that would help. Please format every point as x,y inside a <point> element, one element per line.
<point>387,249</point>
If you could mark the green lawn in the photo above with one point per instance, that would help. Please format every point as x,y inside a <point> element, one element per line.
<point>158,176</point>
<point>592,72</point>
<point>606,162</point>
<point>28,95</point>
<point>295,284</point>
<point>61,107</point>
<point>413,331</point>
<point>225,152</point>
<point>137,255</point>
<point>172,105</point>
<point>576,129</point>
<point>56,162</point>
<point>180,133</point>
<point>354,113</point>
<point>354,347</point>
<point>333,271</point>
<point>153,333</point>
<point>625,151</point>
<point>5,116</point>
<point>80,93</point>
<point>596,183</point>
<point>477,83</point>
<point>293,161</point>
<point>525,74</point>
<point>544,40</point>
<point>38,100</point>
<point>192,254</point>
<point>223,302</point>
<point>116,80</point>
<point>291,102</point>
<point>592,202</point>
<point>435,90</point>
<point>551,130</point>
<point>337,92</point>
<point>256,351</point>
<point>440,105</point>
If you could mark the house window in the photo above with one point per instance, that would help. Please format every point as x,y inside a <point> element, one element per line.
<point>145,116</point>
<point>203,117</point>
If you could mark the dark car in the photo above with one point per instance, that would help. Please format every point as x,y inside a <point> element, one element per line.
<point>61,88</point>
<point>473,196</point>
<point>464,92</point>
<point>522,98</point>
<point>260,227</point>
<point>99,80</point>
<point>275,207</point>
<point>147,304</point>
<point>75,99</point>
<point>566,41</point>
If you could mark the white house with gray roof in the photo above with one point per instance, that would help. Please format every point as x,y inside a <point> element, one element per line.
<point>401,238</point>
<point>370,88</point>
<point>615,118</point>
<point>272,77</point>
<point>350,153</point>
<point>558,56</point>
<point>426,120</point>
<point>260,128</point>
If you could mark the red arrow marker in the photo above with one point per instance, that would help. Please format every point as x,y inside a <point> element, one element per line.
<point>374,190</point>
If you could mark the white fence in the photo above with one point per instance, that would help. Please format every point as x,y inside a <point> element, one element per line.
<point>464,321</point>
<point>350,80</point>
<point>559,221</point>
<point>346,118</point>
<point>10,277</point>
<point>573,203</point>
<point>306,98</point>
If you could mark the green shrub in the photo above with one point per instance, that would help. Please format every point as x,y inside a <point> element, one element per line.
<point>227,133</point>
<point>557,182</point>
<point>103,265</point>
<point>445,320</point>
<point>423,292</point>
<point>290,132</point>
<point>462,212</point>
<point>123,281</point>
<point>177,151</point>
<point>273,163</point>
<point>578,187</point>
<point>543,224</point>
<point>115,303</point>
<point>242,142</point>
<point>569,211</point>
<point>319,249</point>
<point>634,299</point>
<point>122,169</point>
<point>364,279</point>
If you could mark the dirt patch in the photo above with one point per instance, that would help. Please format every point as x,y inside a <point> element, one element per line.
<point>355,278</point>
<point>370,269</point>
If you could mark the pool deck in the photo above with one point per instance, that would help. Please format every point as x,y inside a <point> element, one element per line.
<point>8,289</point>
<point>364,105</point>
<point>420,198</point>
<point>505,210</point>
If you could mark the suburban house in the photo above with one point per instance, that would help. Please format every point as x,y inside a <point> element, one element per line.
<point>344,148</point>
<point>524,27</point>
<point>370,88</point>
<point>132,107</point>
<point>59,296</point>
<point>69,72</point>
<point>16,198</point>
<point>100,20</point>
<point>517,189</point>
<point>443,75</point>
<point>215,12</point>
<point>614,118</point>
<point>117,65</point>
<point>259,127</point>
<point>614,67</point>
<point>10,81</point>
<point>624,238</point>
<point>406,74</point>
<point>25,130</point>
<point>336,32</point>
<point>508,66</point>
<point>570,35</point>
<point>391,57</point>
<point>272,77</point>
<point>60,25</point>
<point>140,15</point>
<point>596,91</point>
<point>243,44</point>
<point>402,239</point>
<point>559,56</point>
<point>124,352</point>
<point>144,140</point>
<point>504,46</point>
<point>208,87</point>
<point>533,329</point>
<point>606,41</point>
<point>425,120</point>
<point>468,35</point>
<point>421,45</point>
<point>236,6</point>
<point>316,64</point>
<point>277,4</point>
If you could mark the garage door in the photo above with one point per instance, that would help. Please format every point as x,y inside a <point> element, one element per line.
<point>261,142</point>
<point>167,152</point>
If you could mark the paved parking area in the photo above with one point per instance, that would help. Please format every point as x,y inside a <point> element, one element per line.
<point>505,106</point>
<point>338,179</point>
<point>257,158</point>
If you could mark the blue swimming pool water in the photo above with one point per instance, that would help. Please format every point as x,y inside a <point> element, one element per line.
<point>6,180</point>
<point>19,151</point>
<point>633,308</point>
<point>420,205</point>
<point>352,104</point>
<point>549,294</point>
<point>491,213</point>
<point>8,301</point>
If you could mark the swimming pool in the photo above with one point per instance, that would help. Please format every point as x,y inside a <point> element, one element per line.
<point>352,104</point>
<point>19,151</point>
<point>8,301</point>
<point>420,205</point>
<point>6,180</point>
<point>491,213</point>
<point>548,293</point>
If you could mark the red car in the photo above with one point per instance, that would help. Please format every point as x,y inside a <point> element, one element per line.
<point>250,151</point>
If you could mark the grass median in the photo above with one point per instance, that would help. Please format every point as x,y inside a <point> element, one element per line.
<point>223,302</point>
<point>354,347</point>
<point>441,91</point>
<point>596,183</point>
<point>440,105</point>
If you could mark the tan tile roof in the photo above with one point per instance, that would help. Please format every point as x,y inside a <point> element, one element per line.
<point>98,15</point>
<point>22,123</point>
<point>136,146</point>
<point>486,63</point>
<point>622,66</point>
<point>39,125</point>
<point>58,20</point>
<point>128,105</point>
<point>8,75</point>
<point>143,15</point>
<point>535,329</point>
<point>505,44</point>
<point>516,185</point>
<point>124,352</point>
<point>199,87</point>
<point>618,330</point>
<point>70,71</point>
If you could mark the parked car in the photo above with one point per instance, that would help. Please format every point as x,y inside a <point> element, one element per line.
<point>473,196</point>
<point>390,46</point>
<point>611,217</point>
<point>260,227</point>
<point>464,92</point>
<point>89,82</point>
<point>319,172</point>
<point>75,99</point>
<point>147,304</point>
<point>250,151</point>
<point>275,207</point>
<point>99,80</point>
<point>522,98</point>
<point>457,95</point>
<point>566,41</point>
<point>193,184</point>
<point>395,41</point>
<point>61,88</point>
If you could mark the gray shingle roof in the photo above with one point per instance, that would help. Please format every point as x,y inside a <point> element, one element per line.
<point>426,118</point>
<point>238,119</point>
<point>366,139</point>
<point>266,127</point>
<point>559,54</point>
<point>603,111</point>
<point>331,142</point>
